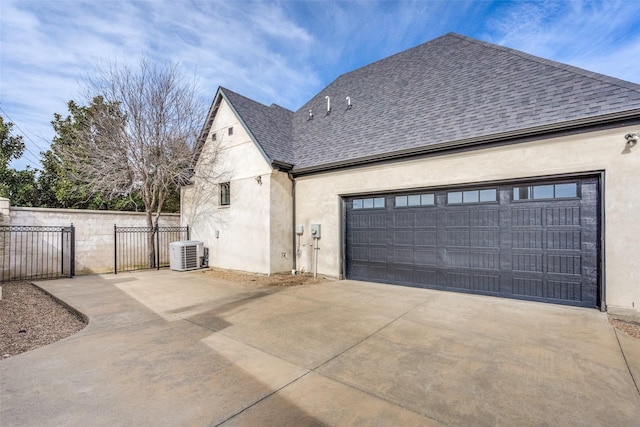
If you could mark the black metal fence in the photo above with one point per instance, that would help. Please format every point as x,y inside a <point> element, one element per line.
<point>141,248</point>
<point>30,252</point>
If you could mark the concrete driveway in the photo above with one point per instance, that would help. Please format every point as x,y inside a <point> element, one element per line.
<point>169,348</point>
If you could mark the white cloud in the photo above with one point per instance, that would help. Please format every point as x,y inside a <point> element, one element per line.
<point>48,49</point>
<point>282,52</point>
<point>589,34</point>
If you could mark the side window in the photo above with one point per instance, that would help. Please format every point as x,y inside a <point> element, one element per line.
<point>369,203</point>
<point>546,191</point>
<point>415,200</point>
<point>225,194</point>
<point>489,195</point>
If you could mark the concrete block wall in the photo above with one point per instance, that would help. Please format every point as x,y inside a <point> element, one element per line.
<point>94,230</point>
<point>4,220</point>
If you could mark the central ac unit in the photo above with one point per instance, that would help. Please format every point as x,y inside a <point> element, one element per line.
<point>185,255</point>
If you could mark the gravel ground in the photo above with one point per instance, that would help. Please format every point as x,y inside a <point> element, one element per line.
<point>30,318</point>
<point>629,327</point>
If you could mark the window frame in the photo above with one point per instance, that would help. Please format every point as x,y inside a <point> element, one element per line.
<point>420,197</point>
<point>225,193</point>
<point>365,201</point>
<point>531,191</point>
<point>478,192</point>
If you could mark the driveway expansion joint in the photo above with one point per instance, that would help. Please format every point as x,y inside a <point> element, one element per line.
<point>143,349</point>
<point>370,335</point>
<point>624,356</point>
<point>273,392</point>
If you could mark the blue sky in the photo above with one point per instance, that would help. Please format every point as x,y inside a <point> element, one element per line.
<point>276,52</point>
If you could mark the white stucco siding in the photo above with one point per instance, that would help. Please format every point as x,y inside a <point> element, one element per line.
<point>243,227</point>
<point>281,223</point>
<point>318,196</point>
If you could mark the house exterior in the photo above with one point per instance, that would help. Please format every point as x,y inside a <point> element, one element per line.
<point>455,165</point>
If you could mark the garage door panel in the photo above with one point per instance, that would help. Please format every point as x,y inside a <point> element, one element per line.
<point>527,262</point>
<point>484,260</point>
<point>425,237</point>
<point>512,245</point>
<point>564,264</point>
<point>564,240</point>
<point>377,237</point>
<point>486,283</point>
<point>457,280</point>
<point>377,220</point>
<point>359,221</point>
<point>425,257</point>
<point>402,276</point>
<point>378,254</point>
<point>527,287</point>
<point>426,219</point>
<point>403,256</point>
<point>526,216</point>
<point>426,278</point>
<point>369,271</point>
<point>485,218</point>
<point>485,238</point>
<point>564,290</point>
<point>459,238</point>
<point>472,282</point>
<point>403,237</point>
<point>526,239</point>
<point>404,219</point>
<point>359,237</point>
<point>456,258</point>
<point>562,216</point>
<point>457,217</point>
<point>359,254</point>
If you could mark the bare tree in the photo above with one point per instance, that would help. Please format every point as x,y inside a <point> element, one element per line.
<point>140,138</point>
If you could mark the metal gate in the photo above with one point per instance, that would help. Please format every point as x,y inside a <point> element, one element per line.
<point>30,252</point>
<point>536,241</point>
<point>141,248</point>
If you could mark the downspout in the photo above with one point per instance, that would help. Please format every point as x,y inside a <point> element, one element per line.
<point>293,223</point>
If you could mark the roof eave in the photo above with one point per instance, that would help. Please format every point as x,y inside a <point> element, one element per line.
<point>513,136</point>
<point>282,166</point>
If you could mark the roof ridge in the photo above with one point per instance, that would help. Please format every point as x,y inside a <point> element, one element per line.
<point>227,90</point>
<point>556,64</point>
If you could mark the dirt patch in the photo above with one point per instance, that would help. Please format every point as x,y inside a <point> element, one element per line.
<point>31,318</point>
<point>262,279</point>
<point>628,327</point>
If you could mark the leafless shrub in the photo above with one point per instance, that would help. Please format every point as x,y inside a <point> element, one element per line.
<point>141,136</point>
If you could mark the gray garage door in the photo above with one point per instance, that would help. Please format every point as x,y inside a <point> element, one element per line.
<point>535,241</point>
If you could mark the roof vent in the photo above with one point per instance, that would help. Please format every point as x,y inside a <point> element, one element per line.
<point>328,104</point>
<point>310,115</point>
<point>348,99</point>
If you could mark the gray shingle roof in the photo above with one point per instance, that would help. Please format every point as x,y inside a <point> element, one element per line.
<point>270,126</point>
<point>450,89</point>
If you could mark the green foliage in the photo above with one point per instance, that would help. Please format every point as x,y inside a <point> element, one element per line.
<point>58,187</point>
<point>18,186</point>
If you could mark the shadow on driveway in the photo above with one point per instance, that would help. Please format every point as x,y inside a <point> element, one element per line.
<point>168,348</point>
